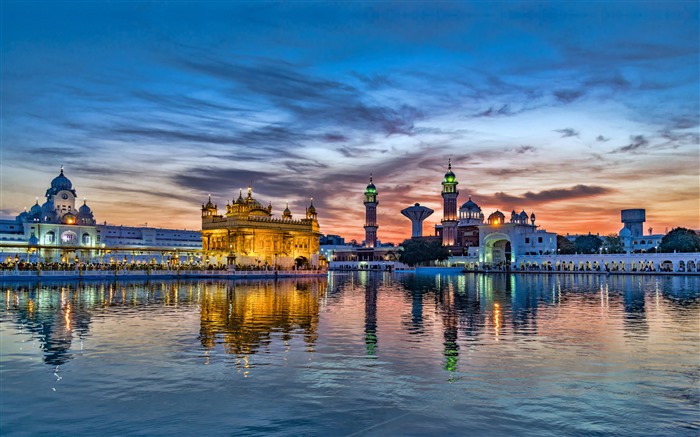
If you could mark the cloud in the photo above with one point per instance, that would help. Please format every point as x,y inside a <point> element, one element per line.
<point>306,97</point>
<point>637,142</point>
<point>373,81</point>
<point>525,149</point>
<point>602,139</point>
<point>493,112</point>
<point>553,195</point>
<point>567,132</point>
<point>567,96</point>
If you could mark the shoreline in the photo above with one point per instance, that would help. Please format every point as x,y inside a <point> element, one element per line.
<point>51,275</point>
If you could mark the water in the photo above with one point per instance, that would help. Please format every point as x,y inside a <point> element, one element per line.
<point>354,354</point>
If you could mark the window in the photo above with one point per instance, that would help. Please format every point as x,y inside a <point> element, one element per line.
<point>539,239</point>
<point>50,237</point>
<point>527,240</point>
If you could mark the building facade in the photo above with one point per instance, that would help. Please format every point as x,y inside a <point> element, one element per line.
<point>58,231</point>
<point>247,234</point>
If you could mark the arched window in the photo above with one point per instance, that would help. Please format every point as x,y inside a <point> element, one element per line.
<point>86,238</point>
<point>50,237</point>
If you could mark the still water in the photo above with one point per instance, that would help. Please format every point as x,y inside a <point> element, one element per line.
<point>353,354</point>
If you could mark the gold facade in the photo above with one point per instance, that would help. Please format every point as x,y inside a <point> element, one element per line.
<point>248,235</point>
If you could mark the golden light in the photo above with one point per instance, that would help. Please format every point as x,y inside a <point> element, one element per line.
<point>496,318</point>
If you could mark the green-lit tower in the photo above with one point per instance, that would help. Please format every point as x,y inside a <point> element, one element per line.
<point>449,196</point>
<point>371,214</point>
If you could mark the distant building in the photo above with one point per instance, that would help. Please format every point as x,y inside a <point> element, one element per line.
<point>495,242</point>
<point>332,240</point>
<point>248,234</point>
<point>57,231</point>
<point>632,233</point>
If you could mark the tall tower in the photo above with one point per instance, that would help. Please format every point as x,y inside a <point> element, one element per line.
<point>449,217</point>
<point>371,214</point>
<point>417,214</point>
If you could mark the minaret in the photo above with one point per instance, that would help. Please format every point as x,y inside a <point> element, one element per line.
<point>449,196</point>
<point>371,214</point>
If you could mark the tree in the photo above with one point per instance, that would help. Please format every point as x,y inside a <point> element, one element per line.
<point>680,240</point>
<point>564,245</point>
<point>587,243</point>
<point>421,250</point>
<point>613,244</point>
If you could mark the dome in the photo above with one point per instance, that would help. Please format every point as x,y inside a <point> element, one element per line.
<point>60,183</point>
<point>470,205</point>
<point>287,213</point>
<point>36,210</point>
<point>84,210</point>
<point>496,218</point>
<point>523,214</point>
<point>209,205</point>
<point>48,212</point>
<point>624,232</point>
<point>23,217</point>
<point>311,209</point>
<point>371,189</point>
<point>450,177</point>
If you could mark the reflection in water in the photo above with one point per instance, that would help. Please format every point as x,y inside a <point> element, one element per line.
<point>244,316</point>
<point>52,314</point>
<point>506,354</point>
<point>370,312</point>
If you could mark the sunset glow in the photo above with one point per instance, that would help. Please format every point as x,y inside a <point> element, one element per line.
<point>571,111</point>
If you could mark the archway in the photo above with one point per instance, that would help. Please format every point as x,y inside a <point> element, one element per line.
<point>497,250</point>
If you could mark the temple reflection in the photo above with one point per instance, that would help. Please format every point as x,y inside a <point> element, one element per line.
<point>52,314</point>
<point>245,317</point>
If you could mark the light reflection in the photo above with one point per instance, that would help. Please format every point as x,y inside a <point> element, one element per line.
<point>497,320</point>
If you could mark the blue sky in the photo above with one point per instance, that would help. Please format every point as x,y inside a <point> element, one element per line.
<point>573,111</point>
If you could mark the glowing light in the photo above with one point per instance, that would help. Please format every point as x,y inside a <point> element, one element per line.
<point>497,319</point>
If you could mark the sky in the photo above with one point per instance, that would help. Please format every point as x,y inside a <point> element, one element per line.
<point>573,111</point>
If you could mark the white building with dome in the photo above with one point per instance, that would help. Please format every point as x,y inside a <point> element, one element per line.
<point>495,241</point>
<point>57,231</point>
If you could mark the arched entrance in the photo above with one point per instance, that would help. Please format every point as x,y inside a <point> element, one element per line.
<point>497,250</point>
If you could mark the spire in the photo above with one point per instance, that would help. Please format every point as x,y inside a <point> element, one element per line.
<point>449,163</point>
<point>61,169</point>
<point>370,178</point>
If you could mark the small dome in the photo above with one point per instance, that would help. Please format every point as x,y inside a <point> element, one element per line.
<point>33,241</point>
<point>450,177</point>
<point>371,189</point>
<point>311,209</point>
<point>624,232</point>
<point>60,183</point>
<point>209,205</point>
<point>532,216</point>
<point>23,217</point>
<point>84,210</point>
<point>497,218</point>
<point>470,205</point>
<point>523,214</point>
<point>35,210</point>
